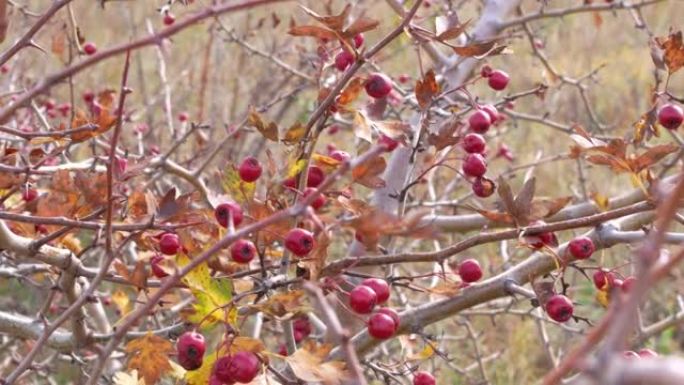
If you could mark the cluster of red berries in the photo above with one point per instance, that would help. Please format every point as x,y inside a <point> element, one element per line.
<point>52,108</point>
<point>363,298</point>
<point>671,116</point>
<point>344,59</point>
<point>607,280</point>
<point>540,240</point>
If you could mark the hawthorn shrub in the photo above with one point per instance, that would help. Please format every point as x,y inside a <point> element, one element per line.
<point>380,192</point>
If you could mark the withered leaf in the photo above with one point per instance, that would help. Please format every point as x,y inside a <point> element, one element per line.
<point>453,32</point>
<point>362,128</point>
<point>334,22</point>
<point>312,31</point>
<point>475,49</point>
<point>546,207</point>
<point>652,155</point>
<point>268,129</point>
<point>351,91</point>
<point>367,174</point>
<point>149,355</point>
<point>362,24</point>
<point>674,51</point>
<point>295,133</point>
<point>426,89</point>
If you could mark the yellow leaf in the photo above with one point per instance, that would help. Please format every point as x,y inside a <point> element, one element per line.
<point>361,127</point>
<point>213,296</point>
<point>149,355</point>
<point>123,378</point>
<point>201,375</point>
<point>310,368</point>
<point>325,160</point>
<point>295,133</point>
<point>121,301</point>
<point>296,168</point>
<point>603,297</point>
<point>238,189</point>
<point>424,354</point>
<point>268,129</point>
<point>177,371</point>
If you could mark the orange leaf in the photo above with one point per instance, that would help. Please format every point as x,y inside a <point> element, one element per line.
<point>426,89</point>
<point>351,92</point>
<point>367,173</point>
<point>674,51</point>
<point>149,355</point>
<point>476,49</point>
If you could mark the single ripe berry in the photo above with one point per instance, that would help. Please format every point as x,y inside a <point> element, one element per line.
<point>64,109</point>
<point>581,247</point>
<point>559,308</point>
<point>315,176</point>
<point>303,326</point>
<point>183,117</point>
<point>423,378</point>
<point>319,201</point>
<point>628,284</point>
<point>358,40</point>
<point>540,240</point>
<point>190,347</point>
<point>670,116</point>
<point>392,313</point>
<point>491,111</point>
<point>157,270</point>
<point>49,104</point>
<point>483,187</point>
<point>387,142</point>
<point>169,244</point>
<point>250,169</point>
<point>89,48</point>
<point>647,353</point>
<point>474,165</point>
<point>603,279</point>
<point>380,287</point>
<point>344,60</point>
<point>616,283</point>
<point>498,80</point>
<point>29,194</point>
<point>378,85</point>
<point>224,211</point>
<point>299,241</point>
<point>340,156</point>
<point>479,121</point>
<point>474,143</point>
<point>169,18</point>
<point>381,326</point>
<point>470,270</point>
<point>404,78</point>
<point>362,299</point>
<point>242,367</point>
<point>242,251</point>
<point>88,96</point>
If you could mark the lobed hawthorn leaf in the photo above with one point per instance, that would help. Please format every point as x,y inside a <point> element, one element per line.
<point>281,305</point>
<point>149,355</point>
<point>651,156</point>
<point>295,133</point>
<point>351,91</point>
<point>674,51</point>
<point>426,89</point>
<point>334,22</point>
<point>362,128</point>
<point>371,223</point>
<point>269,130</point>
<point>308,365</point>
<point>360,25</point>
<point>445,134</point>
<point>367,174</point>
<point>475,49</point>
<point>453,32</point>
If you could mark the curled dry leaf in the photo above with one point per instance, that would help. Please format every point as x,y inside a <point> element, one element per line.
<point>308,365</point>
<point>268,129</point>
<point>281,305</point>
<point>426,89</point>
<point>367,174</point>
<point>674,51</point>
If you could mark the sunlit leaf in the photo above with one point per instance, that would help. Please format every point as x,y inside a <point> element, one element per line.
<point>149,355</point>
<point>674,51</point>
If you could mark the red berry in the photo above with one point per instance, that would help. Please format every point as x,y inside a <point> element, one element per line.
<point>64,109</point>
<point>423,378</point>
<point>157,270</point>
<point>559,308</point>
<point>332,130</point>
<point>670,116</point>
<point>474,165</point>
<point>242,251</point>
<point>491,111</point>
<point>541,239</point>
<point>389,143</point>
<point>4,68</point>
<point>362,299</point>
<point>404,78</point>
<point>483,187</point>
<point>320,198</point>
<point>224,211</point>
<point>88,96</point>
<point>298,336</point>
<point>169,244</point>
<point>470,270</point>
<point>498,80</point>
<point>302,325</point>
<point>190,347</point>
<point>380,287</point>
<point>628,284</point>
<point>282,350</point>
<point>169,19</point>
<point>581,247</point>
<point>603,279</point>
<point>474,143</point>
<point>479,121</point>
<point>647,353</point>
<point>29,194</point>
<point>486,71</point>
<point>392,313</point>
<point>378,85</point>
<point>299,241</point>
<point>344,60</point>
<point>49,104</point>
<point>40,228</point>
<point>358,40</point>
<point>242,367</point>
<point>616,283</point>
<point>183,117</point>
<point>250,169</point>
<point>89,48</point>
<point>630,355</point>
<point>381,326</point>
<point>340,156</point>
<point>315,176</point>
